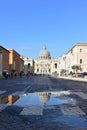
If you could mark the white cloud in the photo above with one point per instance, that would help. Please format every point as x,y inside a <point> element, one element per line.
<point>25,48</point>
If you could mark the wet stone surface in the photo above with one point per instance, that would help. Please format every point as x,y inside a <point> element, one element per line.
<point>43,103</point>
<point>44,107</point>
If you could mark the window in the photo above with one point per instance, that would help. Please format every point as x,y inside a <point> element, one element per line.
<point>29,66</point>
<point>80,61</point>
<point>37,70</point>
<point>80,50</point>
<point>55,65</point>
<point>72,51</point>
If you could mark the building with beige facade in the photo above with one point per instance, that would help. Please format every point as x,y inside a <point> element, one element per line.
<point>77,55</point>
<point>28,64</point>
<point>44,64</point>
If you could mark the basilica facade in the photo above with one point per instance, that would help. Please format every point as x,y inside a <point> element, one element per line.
<point>44,64</point>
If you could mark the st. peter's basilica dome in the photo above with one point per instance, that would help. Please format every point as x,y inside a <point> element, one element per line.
<point>44,54</point>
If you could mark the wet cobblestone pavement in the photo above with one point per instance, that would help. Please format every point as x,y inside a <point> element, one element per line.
<point>43,103</point>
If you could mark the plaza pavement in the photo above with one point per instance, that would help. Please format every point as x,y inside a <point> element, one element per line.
<point>59,117</point>
<point>74,78</point>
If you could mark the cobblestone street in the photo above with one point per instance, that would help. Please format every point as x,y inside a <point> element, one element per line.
<point>43,103</point>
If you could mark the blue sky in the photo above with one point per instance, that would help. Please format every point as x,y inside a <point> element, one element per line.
<point>26,25</point>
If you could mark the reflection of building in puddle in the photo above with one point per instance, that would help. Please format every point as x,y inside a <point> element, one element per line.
<point>55,98</point>
<point>9,99</point>
<point>44,97</point>
<point>61,93</point>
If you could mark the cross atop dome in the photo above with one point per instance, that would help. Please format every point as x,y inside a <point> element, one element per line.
<point>44,47</point>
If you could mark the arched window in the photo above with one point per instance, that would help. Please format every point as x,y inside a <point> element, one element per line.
<point>37,70</point>
<point>28,65</point>
<point>55,65</point>
<point>49,70</point>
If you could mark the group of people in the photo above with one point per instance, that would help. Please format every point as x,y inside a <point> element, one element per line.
<point>27,75</point>
<point>7,75</point>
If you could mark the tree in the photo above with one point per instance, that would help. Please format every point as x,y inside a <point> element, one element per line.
<point>13,71</point>
<point>63,71</point>
<point>54,73</point>
<point>76,68</point>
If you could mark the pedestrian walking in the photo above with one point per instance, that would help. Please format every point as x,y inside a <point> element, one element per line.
<point>20,74</point>
<point>28,74</point>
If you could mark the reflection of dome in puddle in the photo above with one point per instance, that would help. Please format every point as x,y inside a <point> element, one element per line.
<point>44,97</point>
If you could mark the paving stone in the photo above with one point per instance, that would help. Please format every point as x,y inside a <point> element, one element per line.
<point>1,92</point>
<point>81,94</point>
<point>67,110</point>
<point>18,93</point>
<point>71,101</point>
<point>2,107</point>
<point>3,128</point>
<point>32,110</point>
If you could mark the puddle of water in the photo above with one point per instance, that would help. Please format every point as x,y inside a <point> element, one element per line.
<point>29,100</point>
<point>33,104</point>
<point>55,100</point>
<point>38,98</point>
<point>41,99</point>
